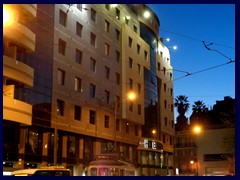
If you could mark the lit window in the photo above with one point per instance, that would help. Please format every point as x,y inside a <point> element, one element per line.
<point>60,107</point>
<point>78,84</point>
<point>106,49</point>
<point>117,13</point>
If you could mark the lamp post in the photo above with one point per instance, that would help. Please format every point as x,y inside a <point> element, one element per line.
<point>131,96</point>
<point>197,129</point>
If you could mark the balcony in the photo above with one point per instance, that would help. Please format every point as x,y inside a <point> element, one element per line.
<point>17,111</point>
<point>18,71</point>
<point>21,35</point>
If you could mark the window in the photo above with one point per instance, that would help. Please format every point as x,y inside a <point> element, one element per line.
<point>165,104</point>
<point>164,138</point>
<point>171,107</point>
<point>92,116</point>
<point>117,78</point>
<point>61,46</point>
<point>93,65</point>
<point>106,121</point>
<point>126,20</point>
<point>159,66</point>
<point>130,41</point>
<point>166,121</point>
<point>171,91</point>
<point>78,56</point>
<point>107,72</point>
<point>138,48</point>
<point>106,49</point>
<point>61,76</point>
<point>107,96</point>
<point>172,123</point>
<point>93,15</point>
<point>107,25</point>
<point>117,56</point>
<point>60,107</point>
<point>139,68</point>
<point>127,128</point>
<point>139,88</point>
<point>77,112</point>
<point>62,18</point>
<point>170,76</point>
<point>117,13</point>
<point>131,106</point>
<point>145,55</point>
<point>117,124</point>
<point>136,130</point>
<point>78,84</point>
<point>135,28</point>
<point>79,28</point>
<point>93,39</point>
<point>79,6</point>
<point>130,84</point>
<point>92,90</point>
<point>165,87</point>
<point>164,70</point>
<point>139,109</point>
<point>130,63</point>
<point>117,34</point>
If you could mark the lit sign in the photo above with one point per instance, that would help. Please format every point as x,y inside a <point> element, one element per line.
<point>151,144</point>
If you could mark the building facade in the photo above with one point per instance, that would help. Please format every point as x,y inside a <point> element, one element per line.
<point>87,58</point>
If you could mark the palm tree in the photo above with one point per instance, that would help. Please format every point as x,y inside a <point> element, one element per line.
<point>199,114</point>
<point>182,104</point>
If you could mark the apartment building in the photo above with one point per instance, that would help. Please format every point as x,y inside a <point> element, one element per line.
<point>87,58</point>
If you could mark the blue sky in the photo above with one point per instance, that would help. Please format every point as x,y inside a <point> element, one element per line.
<point>187,25</point>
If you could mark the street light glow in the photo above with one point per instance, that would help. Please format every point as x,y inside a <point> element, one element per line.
<point>197,129</point>
<point>131,96</point>
<point>146,14</point>
<point>154,131</point>
<point>6,16</point>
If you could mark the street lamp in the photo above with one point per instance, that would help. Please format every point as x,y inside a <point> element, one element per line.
<point>130,96</point>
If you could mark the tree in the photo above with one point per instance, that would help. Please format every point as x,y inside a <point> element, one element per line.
<point>199,114</point>
<point>182,104</point>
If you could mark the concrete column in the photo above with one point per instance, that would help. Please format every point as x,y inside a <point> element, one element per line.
<point>78,168</point>
<point>64,151</point>
<point>22,143</point>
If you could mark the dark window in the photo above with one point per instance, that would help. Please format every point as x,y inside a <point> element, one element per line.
<point>92,90</point>
<point>139,109</point>
<point>93,15</point>
<point>136,130</point>
<point>61,76</point>
<point>93,65</point>
<point>138,48</point>
<point>107,26</point>
<point>106,122</point>
<point>117,124</point>
<point>61,46</point>
<point>107,72</point>
<point>127,128</point>
<point>79,28</point>
<point>78,57</point>
<point>117,13</point>
<point>62,18</point>
<point>60,107</point>
<point>117,34</point>
<point>92,117</point>
<point>130,62</point>
<point>93,39</point>
<point>117,78</point>
<point>107,96</point>
<point>135,28</point>
<point>117,56</point>
<point>77,112</point>
<point>130,84</point>
<point>130,41</point>
<point>130,106</point>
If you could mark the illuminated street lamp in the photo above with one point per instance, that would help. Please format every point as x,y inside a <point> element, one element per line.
<point>197,129</point>
<point>146,14</point>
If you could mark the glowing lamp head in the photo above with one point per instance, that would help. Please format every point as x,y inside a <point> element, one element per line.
<point>131,96</point>
<point>146,14</point>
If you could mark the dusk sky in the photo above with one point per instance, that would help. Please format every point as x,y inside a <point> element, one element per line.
<point>187,26</point>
